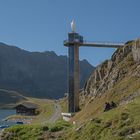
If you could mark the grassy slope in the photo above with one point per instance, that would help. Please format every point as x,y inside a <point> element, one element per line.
<point>35,132</point>
<point>46,109</point>
<point>120,91</point>
<point>64,104</point>
<point>116,124</point>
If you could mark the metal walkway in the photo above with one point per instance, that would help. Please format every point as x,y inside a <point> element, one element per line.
<point>102,44</point>
<point>94,44</point>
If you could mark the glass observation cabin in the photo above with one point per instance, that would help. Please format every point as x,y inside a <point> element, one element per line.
<point>73,39</point>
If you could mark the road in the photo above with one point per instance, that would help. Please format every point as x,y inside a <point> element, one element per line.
<point>57,112</point>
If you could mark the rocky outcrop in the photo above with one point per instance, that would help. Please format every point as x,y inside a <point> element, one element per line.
<point>124,62</point>
<point>136,50</point>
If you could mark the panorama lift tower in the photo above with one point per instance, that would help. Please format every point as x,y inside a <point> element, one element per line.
<point>73,43</point>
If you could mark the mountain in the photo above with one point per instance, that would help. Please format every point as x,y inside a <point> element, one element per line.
<point>36,74</point>
<point>118,80</point>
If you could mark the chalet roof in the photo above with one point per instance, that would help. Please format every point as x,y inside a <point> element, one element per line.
<point>28,105</point>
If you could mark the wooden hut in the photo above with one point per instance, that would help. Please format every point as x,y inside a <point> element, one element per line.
<point>26,108</point>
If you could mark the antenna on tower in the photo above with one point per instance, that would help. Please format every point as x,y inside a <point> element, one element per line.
<point>73,26</point>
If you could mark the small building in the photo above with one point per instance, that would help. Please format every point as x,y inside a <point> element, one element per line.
<point>26,108</point>
<point>67,116</point>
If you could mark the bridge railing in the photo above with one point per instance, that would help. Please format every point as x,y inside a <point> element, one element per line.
<point>103,42</point>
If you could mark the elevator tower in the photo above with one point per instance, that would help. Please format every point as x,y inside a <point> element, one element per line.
<point>73,43</point>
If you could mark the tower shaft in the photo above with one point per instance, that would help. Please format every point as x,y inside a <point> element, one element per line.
<point>73,78</point>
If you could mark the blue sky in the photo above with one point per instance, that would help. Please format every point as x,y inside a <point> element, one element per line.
<point>40,25</point>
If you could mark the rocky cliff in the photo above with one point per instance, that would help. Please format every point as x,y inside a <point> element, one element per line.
<point>37,74</point>
<point>124,63</point>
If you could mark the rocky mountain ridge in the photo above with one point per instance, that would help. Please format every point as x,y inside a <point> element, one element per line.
<point>36,74</point>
